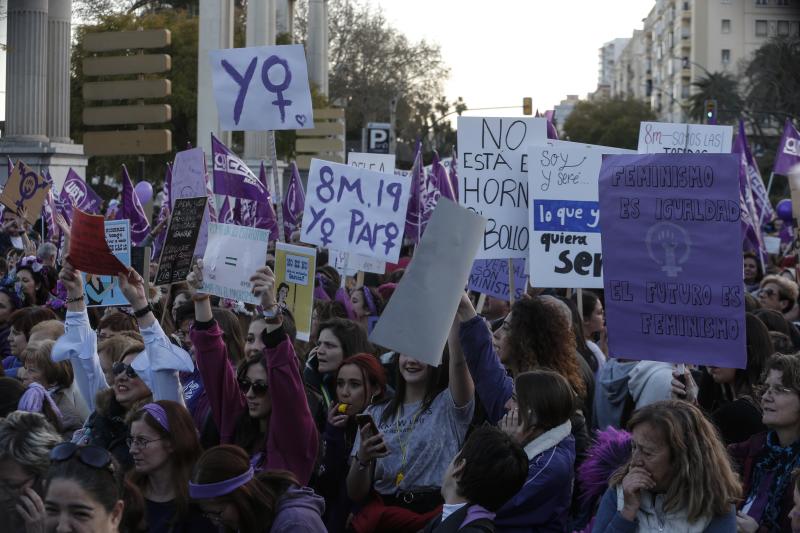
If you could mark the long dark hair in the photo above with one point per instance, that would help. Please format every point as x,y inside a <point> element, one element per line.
<point>434,384</point>
<point>351,336</point>
<point>186,450</point>
<point>256,501</point>
<point>580,337</point>
<point>248,433</point>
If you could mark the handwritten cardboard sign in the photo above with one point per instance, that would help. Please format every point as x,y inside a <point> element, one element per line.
<point>103,290</point>
<point>565,249</point>
<point>88,250</point>
<point>262,88</point>
<point>493,179</point>
<point>670,138</point>
<point>294,278</point>
<point>189,181</point>
<point>672,251</point>
<point>383,163</point>
<point>355,210</point>
<point>25,188</point>
<point>417,319</point>
<point>351,264</point>
<point>490,277</point>
<point>234,253</point>
<point>175,261</point>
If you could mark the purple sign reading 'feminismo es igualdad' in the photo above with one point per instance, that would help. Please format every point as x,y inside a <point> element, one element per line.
<point>672,248</point>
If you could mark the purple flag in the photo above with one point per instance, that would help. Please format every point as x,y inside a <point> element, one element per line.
<point>294,201</point>
<point>453,173</point>
<point>232,177</point>
<point>416,213</point>
<point>225,215</point>
<point>788,153</point>
<point>751,230</point>
<point>131,209</point>
<point>49,210</point>
<point>764,211</point>
<point>264,212</point>
<point>10,166</point>
<point>440,179</point>
<point>78,193</point>
<point>162,214</point>
<point>672,258</point>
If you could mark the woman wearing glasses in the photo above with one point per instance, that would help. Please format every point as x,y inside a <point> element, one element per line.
<point>262,407</point>
<point>780,294</point>
<point>766,460</point>
<point>164,445</point>
<point>137,376</point>
<point>87,492</point>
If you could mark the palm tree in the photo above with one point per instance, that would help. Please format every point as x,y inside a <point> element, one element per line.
<point>773,84</point>
<point>719,86</point>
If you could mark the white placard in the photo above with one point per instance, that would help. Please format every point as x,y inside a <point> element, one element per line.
<point>772,244</point>
<point>383,163</point>
<point>262,88</point>
<point>297,269</point>
<point>493,179</point>
<point>233,254</point>
<point>670,138</point>
<point>565,247</point>
<point>355,210</point>
<point>352,264</point>
<point>418,317</point>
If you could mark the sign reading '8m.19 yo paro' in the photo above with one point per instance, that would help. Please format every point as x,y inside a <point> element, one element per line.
<point>355,210</point>
<point>672,258</point>
<point>262,88</point>
<point>493,179</point>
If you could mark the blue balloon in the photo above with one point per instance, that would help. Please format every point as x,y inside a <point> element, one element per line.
<point>784,210</point>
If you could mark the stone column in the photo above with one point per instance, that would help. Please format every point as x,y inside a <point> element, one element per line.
<point>58,63</point>
<point>284,17</point>
<point>26,70</point>
<point>260,32</point>
<point>215,32</point>
<point>317,44</point>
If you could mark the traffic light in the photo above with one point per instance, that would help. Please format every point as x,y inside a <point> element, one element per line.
<point>711,111</point>
<point>527,105</point>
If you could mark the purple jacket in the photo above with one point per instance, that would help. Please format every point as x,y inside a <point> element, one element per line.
<point>492,383</point>
<point>292,439</point>
<point>299,509</point>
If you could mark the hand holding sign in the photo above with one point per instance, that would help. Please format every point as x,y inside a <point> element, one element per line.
<point>264,287</point>
<point>262,88</point>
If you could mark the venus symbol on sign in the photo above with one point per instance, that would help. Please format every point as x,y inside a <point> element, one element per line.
<point>281,102</point>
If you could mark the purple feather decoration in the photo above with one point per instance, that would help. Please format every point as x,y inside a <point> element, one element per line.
<point>611,450</point>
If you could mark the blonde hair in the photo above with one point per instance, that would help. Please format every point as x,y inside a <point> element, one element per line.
<point>702,477</point>
<point>27,438</point>
<point>59,373</point>
<point>787,289</point>
<point>120,345</point>
<point>47,330</point>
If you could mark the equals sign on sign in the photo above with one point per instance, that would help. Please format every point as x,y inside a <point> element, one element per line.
<point>230,261</point>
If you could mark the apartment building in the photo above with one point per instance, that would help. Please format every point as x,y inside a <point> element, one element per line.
<point>683,40</point>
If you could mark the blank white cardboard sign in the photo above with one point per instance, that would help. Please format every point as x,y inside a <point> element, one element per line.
<point>419,314</point>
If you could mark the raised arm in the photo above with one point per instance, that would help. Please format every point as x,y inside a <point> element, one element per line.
<point>219,377</point>
<point>492,383</point>
<point>293,440</point>
<point>462,388</point>
<point>79,342</point>
<point>163,360</point>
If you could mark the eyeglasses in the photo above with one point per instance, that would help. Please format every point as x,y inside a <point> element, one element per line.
<point>214,516</point>
<point>120,367</point>
<point>139,442</point>
<point>93,456</point>
<point>776,390</point>
<point>259,387</point>
<point>769,293</point>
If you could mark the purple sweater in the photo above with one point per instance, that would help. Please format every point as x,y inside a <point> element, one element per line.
<point>292,439</point>
<point>492,383</point>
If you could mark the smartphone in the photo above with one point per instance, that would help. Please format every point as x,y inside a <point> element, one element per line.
<point>366,420</point>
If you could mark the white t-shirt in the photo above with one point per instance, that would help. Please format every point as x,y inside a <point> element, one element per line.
<point>431,439</point>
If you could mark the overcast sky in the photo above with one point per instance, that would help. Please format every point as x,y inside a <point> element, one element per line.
<point>500,51</point>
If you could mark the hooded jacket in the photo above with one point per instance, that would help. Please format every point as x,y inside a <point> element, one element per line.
<point>543,502</point>
<point>471,518</point>
<point>299,509</point>
<point>643,382</point>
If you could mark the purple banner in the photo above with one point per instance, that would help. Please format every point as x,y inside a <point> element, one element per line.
<point>490,277</point>
<point>672,258</point>
<point>77,192</point>
<point>233,177</point>
<point>294,202</point>
<point>132,210</point>
<point>788,153</point>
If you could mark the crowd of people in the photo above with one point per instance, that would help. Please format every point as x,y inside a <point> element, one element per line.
<point>184,412</point>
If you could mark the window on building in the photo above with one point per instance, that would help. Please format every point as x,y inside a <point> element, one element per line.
<point>726,1</point>
<point>762,2</point>
<point>795,28</point>
<point>761,28</point>
<point>783,27</point>
<point>726,25</point>
<point>726,56</point>
<point>781,2</point>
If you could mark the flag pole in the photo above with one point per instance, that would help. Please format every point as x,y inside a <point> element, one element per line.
<point>481,302</point>
<point>580,302</point>
<point>273,165</point>
<point>769,184</point>
<point>511,289</point>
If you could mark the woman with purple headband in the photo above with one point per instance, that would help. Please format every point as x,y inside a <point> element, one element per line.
<point>234,497</point>
<point>367,305</point>
<point>164,445</point>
